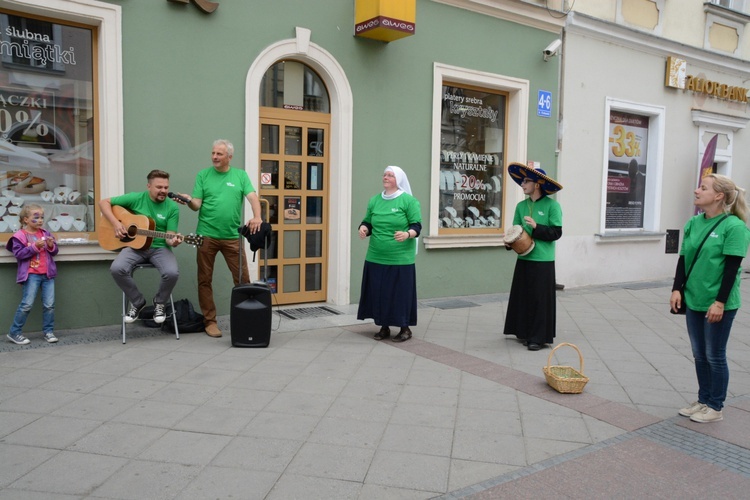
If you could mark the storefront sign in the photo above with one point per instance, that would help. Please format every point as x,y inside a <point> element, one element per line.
<point>677,77</point>
<point>204,5</point>
<point>385,20</point>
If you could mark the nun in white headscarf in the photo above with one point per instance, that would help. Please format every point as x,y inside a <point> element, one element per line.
<point>393,222</point>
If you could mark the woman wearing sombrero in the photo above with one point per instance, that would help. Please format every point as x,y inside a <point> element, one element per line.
<point>532,307</point>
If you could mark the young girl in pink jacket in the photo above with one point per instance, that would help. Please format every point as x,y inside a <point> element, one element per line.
<point>34,249</point>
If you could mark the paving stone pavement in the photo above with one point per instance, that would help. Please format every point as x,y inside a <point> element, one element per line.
<point>459,411</point>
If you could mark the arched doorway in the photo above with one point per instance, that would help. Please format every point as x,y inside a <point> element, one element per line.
<point>294,171</point>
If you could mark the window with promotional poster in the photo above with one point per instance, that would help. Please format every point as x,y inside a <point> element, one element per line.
<point>471,159</point>
<point>626,170</point>
<point>46,124</point>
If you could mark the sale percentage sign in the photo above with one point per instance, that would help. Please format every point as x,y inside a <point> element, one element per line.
<point>34,125</point>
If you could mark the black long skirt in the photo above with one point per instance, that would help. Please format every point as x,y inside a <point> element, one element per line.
<point>389,295</point>
<point>532,307</point>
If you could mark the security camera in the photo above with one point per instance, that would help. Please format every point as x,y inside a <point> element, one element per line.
<point>552,49</point>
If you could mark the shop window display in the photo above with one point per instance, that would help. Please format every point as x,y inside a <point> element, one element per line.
<point>46,124</point>
<point>473,124</point>
<point>627,170</point>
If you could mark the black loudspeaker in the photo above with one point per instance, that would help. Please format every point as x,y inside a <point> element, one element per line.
<point>250,316</point>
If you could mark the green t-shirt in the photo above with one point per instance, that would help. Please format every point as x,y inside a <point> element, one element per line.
<point>544,211</point>
<point>731,237</point>
<point>222,193</point>
<point>387,217</point>
<point>165,214</point>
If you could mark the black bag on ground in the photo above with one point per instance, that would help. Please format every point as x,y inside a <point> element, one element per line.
<point>188,320</point>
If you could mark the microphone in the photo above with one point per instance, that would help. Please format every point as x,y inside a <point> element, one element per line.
<point>176,196</point>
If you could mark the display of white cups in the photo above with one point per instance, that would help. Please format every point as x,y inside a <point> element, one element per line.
<point>79,224</point>
<point>4,201</point>
<point>53,225</point>
<point>47,196</point>
<point>3,225</point>
<point>66,221</point>
<point>74,196</point>
<point>14,210</point>
<point>17,201</point>
<point>2,210</point>
<point>13,223</point>
<point>8,193</point>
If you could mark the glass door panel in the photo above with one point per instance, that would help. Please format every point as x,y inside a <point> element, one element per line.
<point>292,210</point>
<point>315,142</point>
<point>291,244</point>
<point>314,246</point>
<point>292,175</point>
<point>269,174</point>
<point>313,277</point>
<point>314,210</point>
<point>269,143</point>
<point>293,141</point>
<point>314,176</point>
<point>291,278</point>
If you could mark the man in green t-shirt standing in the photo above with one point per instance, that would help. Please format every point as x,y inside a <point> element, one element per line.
<point>154,204</point>
<point>217,196</point>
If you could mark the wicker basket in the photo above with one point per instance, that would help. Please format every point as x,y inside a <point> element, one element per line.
<point>565,379</point>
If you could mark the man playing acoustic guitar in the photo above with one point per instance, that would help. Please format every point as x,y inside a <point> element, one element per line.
<point>154,204</point>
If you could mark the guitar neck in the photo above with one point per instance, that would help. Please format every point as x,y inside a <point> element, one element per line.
<point>155,234</point>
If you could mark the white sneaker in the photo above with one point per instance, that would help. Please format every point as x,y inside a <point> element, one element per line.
<point>707,415</point>
<point>692,409</point>
<point>159,314</point>
<point>17,338</point>
<point>50,337</point>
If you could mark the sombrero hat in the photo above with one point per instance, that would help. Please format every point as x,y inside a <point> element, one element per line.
<point>518,172</point>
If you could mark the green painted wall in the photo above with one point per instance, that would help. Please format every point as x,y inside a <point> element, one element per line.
<point>184,86</point>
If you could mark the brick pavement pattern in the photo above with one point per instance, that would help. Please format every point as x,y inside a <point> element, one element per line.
<point>460,411</point>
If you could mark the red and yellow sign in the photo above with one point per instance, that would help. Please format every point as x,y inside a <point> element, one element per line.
<point>385,20</point>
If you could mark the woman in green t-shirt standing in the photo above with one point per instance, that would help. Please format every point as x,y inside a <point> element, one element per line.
<point>712,289</point>
<point>389,281</point>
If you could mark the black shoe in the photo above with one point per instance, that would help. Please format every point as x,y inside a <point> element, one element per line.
<point>533,346</point>
<point>404,334</point>
<point>134,313</point>
<point>384,333</point>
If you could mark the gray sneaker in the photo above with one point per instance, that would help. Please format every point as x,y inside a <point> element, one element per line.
<point>17,338</point>
<point>159,314</point>
<point>50,337</point>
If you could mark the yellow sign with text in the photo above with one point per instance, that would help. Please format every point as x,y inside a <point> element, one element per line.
<point>385,20</point>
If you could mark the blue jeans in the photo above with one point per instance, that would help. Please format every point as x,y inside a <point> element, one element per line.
<point>709,343</point>
<point>30,289</point>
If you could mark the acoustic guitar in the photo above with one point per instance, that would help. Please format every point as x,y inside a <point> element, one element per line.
<point>140,230</point>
